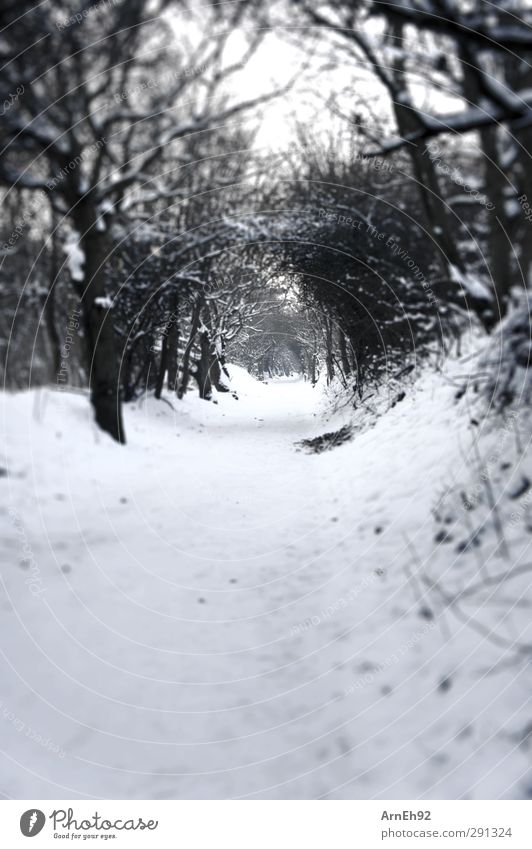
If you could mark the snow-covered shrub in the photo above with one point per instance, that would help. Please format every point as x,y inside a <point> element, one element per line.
<point>507,357</point>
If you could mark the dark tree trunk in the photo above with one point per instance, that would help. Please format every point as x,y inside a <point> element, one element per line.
<point>185,374</point>
<point>312,366</point>
<point>499,246</point>
<point>103,365</point>
<point>216,374</point>
<point>329,354</point>
<point>163,364</point>
<point>223,366</point>
<point>495,182</point>
<point>344,359</point>
<point>173,348</point>
<point>50,306</point>
<point>203,368</point>
<point>521,80</point>
<point>215,357</point>
<point>173,343</point>
<point>440,220</point>
<point>219,369</point>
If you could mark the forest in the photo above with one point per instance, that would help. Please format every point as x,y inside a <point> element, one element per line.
<point>265,341</point>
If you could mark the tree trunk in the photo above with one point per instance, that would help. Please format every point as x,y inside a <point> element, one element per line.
<point>216,374</point>
<point>520,76</point>
<point>329,361</point>
<point>173,343</point>
<point>49,309</point>
<point>173,347</point>
<point>440,220</point>
<point>219,368</point>
<point>344,359</point>
<point>185,374</point>
<point>103,365</point>
<point>312,367</point>
<point>203,369</point>
<point>495,182</point>
<point>163,364</point>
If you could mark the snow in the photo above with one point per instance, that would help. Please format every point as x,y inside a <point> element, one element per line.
<point>75,257</point>
<point>106,207</point>
<point>471,284</point>
<point>213,612</point>
<point>104,302</point>
<point>512,208</point>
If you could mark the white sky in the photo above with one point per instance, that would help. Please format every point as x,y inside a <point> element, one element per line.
<point>330,72</point>
<point>278,60</point>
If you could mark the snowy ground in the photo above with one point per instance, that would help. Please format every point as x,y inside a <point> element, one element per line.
<point>211,612</point>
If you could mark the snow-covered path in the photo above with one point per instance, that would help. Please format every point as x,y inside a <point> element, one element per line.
<point>212,613</point>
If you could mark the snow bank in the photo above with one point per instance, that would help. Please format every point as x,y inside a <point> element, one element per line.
<point>211,613</point>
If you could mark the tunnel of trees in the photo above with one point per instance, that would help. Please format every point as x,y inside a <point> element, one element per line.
<point>153,242</point>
